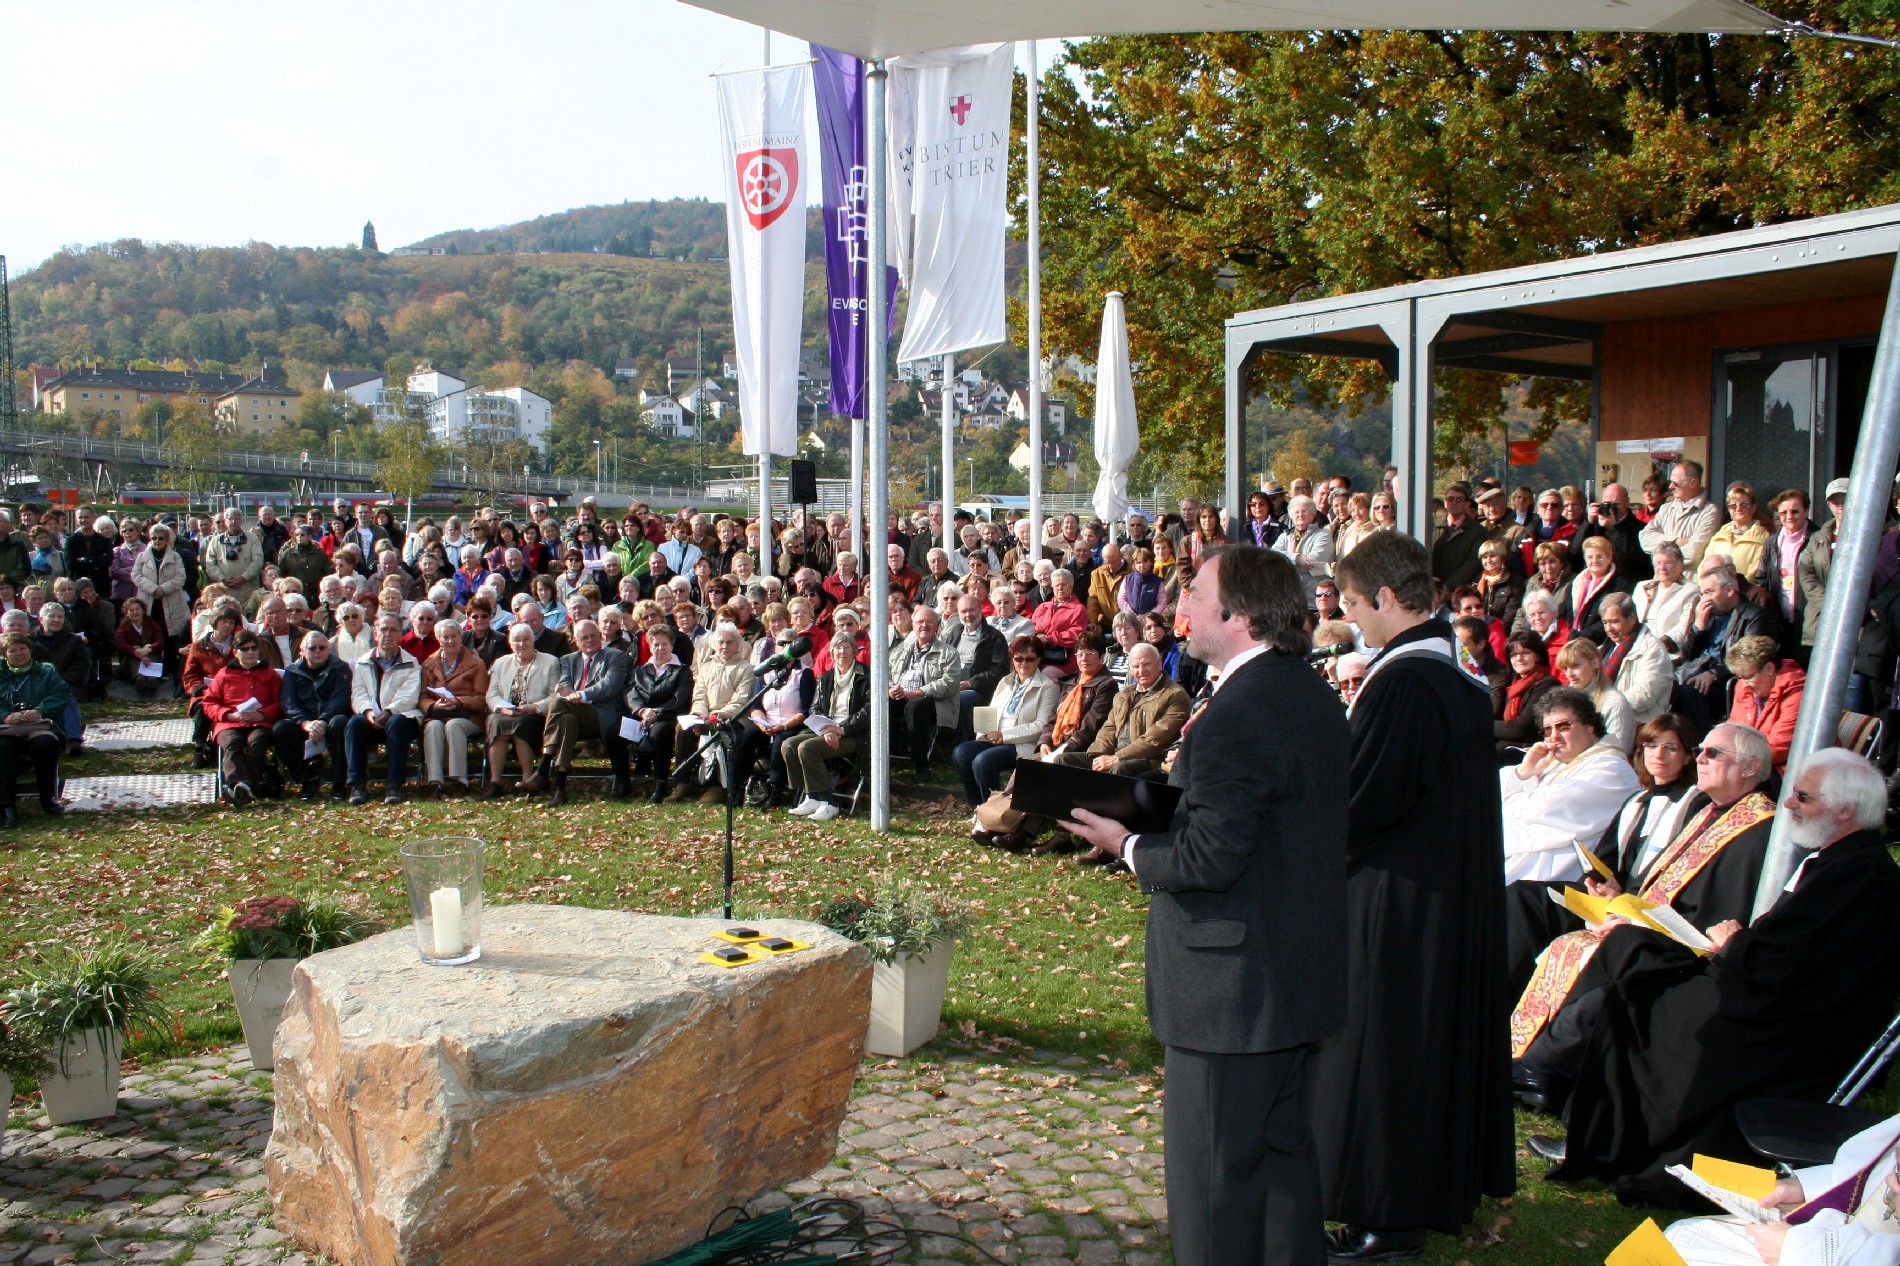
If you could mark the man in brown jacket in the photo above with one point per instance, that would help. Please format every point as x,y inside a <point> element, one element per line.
<point>1145,720</point>
<point>454,705</point>
<point>1105,584</point>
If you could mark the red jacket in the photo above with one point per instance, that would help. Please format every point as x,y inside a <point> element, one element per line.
<point>1775,715</point>
<point>232,686</point>
<point>1059,624</point>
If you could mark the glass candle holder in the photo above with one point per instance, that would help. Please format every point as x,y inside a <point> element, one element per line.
<point>445,896</point>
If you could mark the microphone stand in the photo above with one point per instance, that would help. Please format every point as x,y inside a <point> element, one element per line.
<point>725,735</point>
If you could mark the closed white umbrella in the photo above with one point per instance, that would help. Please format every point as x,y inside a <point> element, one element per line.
<point>1116,436</point>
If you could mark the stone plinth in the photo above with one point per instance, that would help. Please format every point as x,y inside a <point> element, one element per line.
<point>588,1091</point>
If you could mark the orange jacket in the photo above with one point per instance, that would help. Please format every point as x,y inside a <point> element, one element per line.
<point>1775,715</point>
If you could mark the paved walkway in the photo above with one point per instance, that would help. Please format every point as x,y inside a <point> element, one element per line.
<point>1044,1160</point>
<point>139,791</point>
<point>133,736</point>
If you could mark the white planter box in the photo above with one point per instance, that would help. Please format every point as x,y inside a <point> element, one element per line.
<point>89,1087</point>
<point>907,1001</point>
<point>261,987</point>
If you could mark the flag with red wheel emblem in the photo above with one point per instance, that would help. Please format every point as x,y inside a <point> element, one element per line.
<point>949,187</point>
<point>762,117</point>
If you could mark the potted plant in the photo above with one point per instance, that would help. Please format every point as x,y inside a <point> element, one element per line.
<point>20,1057</point>
<point>78,1008</point>
<point>909,932</point>
<point>264,938</point>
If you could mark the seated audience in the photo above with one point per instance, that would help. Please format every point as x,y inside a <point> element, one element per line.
<point>1635,660</point>
<point>722,686</point>
<point>923,688</point>
<point>779,713</point>
<point>33,698</point>
<point>659,692</point>
<point>1580,664</point>
<point>202,661</point>
<point>1531,679</point>
<point>385,697</point>
<point>843,697</point>
<point>316,704</point>
<point>520,686</point>
<point>1142,723</point>
<point>66,651</point>
<point>454,707</point>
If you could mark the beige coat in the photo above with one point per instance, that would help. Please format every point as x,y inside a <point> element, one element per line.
<point>541,674</point>
<point>162,586</point>
<point>1143,724</point>
<point>722,689</point>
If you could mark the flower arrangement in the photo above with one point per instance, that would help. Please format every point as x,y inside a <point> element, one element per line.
<point>284,927</point>
<point>113,987</point>
<point>901,917</point>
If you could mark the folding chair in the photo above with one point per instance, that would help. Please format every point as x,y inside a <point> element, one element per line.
<point>1799,1133</point>
<point>1860,733</point>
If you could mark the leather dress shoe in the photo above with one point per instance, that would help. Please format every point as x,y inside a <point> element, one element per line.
<point>52,808</point>
<point>1552,1150</point>
<point>622,788</point>
<point>1363,1244</point>
<point>1010,841</point>
<point>558,796</point>
<point>1530,1089</point>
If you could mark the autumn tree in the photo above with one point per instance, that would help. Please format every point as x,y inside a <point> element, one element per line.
<point>1210,174</point>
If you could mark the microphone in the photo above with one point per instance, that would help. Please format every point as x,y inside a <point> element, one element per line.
<point>1321,654</point>
<point>787,657</point>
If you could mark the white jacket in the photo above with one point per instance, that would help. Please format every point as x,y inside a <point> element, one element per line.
<point>1577,801</point>
<point>400,690</point>
<point>1667,615</point>
<point>1032,713</point>
<point>1646,677</point>
<point>1695,522</point>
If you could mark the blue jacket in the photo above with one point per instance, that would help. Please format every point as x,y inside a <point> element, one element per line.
<point>322,695</point>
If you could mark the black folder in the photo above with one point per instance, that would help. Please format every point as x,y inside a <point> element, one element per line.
<point>1140,804</point>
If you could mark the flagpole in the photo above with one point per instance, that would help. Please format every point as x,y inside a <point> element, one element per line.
<point>949,404</point>
<point>766,539</point>
<point>1034,173</point>
<point>877,345</point>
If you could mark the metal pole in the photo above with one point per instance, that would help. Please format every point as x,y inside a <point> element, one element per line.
<point>858,535</point>
<point>1034,166</point>
<point>1863,519</point>
<point>949,541</point>
<point>877,427</point>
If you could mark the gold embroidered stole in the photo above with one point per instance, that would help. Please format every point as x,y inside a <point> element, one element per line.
<point>1695,846</point>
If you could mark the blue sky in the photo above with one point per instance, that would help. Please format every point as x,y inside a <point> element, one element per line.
<point>215,122</point>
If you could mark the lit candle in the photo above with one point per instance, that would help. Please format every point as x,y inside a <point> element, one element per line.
<point>445,907</point>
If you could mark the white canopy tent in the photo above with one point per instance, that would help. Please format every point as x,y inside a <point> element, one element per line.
<point>876,29</point>
<point>879,29</point>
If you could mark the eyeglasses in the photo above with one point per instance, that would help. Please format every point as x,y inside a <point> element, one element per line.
<point>1806,797</point>
<point>1558,727</point>
<point>1668,749</point>
<point>1026,659</point>
<point>1705,752</point>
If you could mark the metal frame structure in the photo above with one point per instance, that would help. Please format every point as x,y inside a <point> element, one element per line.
<point>1547,319</point>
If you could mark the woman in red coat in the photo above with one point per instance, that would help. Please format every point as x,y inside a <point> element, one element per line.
<point>1059,622</point>
<point>242,704</point>
<point>1767,693</point>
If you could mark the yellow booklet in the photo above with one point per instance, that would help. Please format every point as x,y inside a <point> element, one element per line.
<point>1646,1246</point>
<point>1591,862</point>
<point>1744,1180</point>
<point>1591,909</point>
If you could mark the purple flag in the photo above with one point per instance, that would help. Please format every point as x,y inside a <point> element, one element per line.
<point>839,79</point>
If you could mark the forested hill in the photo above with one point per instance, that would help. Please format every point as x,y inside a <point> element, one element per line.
<point>677,228</point>
<point>305,310</point>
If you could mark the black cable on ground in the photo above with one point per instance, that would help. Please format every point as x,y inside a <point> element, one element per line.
<point>815,1232</point>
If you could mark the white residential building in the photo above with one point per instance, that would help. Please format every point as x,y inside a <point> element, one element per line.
<point>670,419</point>
<point>457,413</point>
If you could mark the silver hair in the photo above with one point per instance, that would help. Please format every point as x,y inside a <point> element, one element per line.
<point>419,608</point>
<point>1751,746</point>
<point>105,526</point>
<point>448,624</point>
<point>1541,599</point>
<point>1722,570</point>
<point>1065,573</point>
<point>1618,602</point>
<point>1668,547</point>
<point>1847,781</point>
<point>348,608</point>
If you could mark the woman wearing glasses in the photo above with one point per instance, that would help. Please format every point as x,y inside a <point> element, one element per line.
<point>1569,786</point>
<point>1024,702</point>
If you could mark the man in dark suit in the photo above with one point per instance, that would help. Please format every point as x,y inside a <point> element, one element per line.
<point>1455,552</point>
<point>586,705</point>
<point>1247,906</point>
<point>1722,618</point>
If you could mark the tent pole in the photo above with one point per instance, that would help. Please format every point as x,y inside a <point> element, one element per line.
<point>949,403</point>
<point>1034,177</point>
<point>1869,494</point>
<point>877,427</point>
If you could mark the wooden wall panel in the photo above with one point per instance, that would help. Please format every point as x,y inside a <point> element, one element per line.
<point>1658,375</point>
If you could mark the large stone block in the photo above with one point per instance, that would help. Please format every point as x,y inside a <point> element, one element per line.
<point>588,1091</point>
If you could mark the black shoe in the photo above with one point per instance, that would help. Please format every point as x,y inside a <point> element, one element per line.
<point>394,796</point>
<point>1529,1086</point>
<point>312,791</point>
<point>52,808</point>
<point>1363,1244</point>
<point>242,794</point>
<point>622,788</point>
<point>1552,1150</point>
<point>9,817</point>
<point>660,787</point>
<point>340,791</point>
<point>359,795</point>
<point>201,759</point>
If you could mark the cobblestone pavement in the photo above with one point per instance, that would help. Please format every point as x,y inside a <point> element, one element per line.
<point>1043,1159</point>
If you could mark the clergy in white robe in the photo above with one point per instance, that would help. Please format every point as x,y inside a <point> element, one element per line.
<point>1569,787</point>
<point>1848,1218</point>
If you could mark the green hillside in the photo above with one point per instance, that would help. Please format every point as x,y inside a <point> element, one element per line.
<point>683,228</point>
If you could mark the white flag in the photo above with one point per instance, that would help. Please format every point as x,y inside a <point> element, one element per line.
<point>762,116</point>
<point>949,129</point>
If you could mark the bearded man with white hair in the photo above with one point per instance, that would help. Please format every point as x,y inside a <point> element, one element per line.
<point>1778,1009</point>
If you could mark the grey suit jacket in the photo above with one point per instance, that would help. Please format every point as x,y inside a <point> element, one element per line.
<point>605,687</point>
<point>1247,887</point>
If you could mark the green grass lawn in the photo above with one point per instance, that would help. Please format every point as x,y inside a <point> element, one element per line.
<point>1054,962</point>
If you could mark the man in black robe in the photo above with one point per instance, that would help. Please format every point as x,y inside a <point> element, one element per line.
<point>1780,1009</point>
<point>1412,1100</point>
